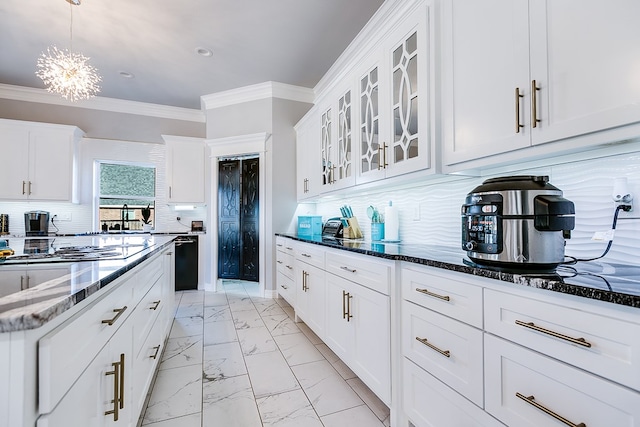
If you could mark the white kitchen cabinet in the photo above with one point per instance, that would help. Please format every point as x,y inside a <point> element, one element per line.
<point>518,74</point>
<point>43,162</point>
<point>185,170</point>
<point>102,394</point>
<point>422,393</point>
<point>5,386</point>
<point>16,279</point>
<point>308,164</point>
<point>358,331</point>
<point>285,265</point>
<point>106,354</point>
<point>600,341</point>
<point>525,388</point>
<point>310,296</point>
<point>393,94</point>
<point>336,142</point>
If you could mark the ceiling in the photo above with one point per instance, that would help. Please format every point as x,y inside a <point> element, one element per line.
<point>252,41</point>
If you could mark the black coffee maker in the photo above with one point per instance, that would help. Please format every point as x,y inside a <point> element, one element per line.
<point>36,223</point>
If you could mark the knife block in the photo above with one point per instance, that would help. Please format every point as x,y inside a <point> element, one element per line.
<point>353,231</point>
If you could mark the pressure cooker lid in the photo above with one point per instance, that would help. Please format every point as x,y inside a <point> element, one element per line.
<point>517,182</point>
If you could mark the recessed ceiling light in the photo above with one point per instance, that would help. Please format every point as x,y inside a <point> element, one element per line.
<point>203,51</point>
<point>126,75</point>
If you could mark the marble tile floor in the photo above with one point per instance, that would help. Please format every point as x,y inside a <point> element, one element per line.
<point>235,359</point>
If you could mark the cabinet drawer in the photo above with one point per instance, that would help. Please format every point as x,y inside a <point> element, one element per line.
<point>430,403</point>
<point>597,342</point>
<point>442,292</point>
<point>371,272</point>
<point>146,314</point>
<point>517,379</point>
<point>147,359</point>
<point>148,275</point>
<point>449,350</point>
<point>311,254</point>
<point>286,288</point>
<point>68,349</point>
<point>285,245</point>
<point>284,263</point>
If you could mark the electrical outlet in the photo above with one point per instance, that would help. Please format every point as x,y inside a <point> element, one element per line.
<point>416,212</point>
<point>62,217</point>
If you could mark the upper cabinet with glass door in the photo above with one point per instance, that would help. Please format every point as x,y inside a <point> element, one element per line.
<point>393,122</point>
<point>518,74</point>
<point>336,141</point>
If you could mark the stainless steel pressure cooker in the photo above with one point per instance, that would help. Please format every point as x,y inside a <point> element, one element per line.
<point>517,223</point>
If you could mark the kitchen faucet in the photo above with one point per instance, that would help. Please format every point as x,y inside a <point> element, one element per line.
<point>124,215</point>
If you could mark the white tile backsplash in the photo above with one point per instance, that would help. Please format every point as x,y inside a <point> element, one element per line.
<point>587,183</point>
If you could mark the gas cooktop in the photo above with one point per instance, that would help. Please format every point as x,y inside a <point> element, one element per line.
<point>31,251</point>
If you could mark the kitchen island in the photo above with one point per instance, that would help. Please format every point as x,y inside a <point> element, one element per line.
<point>80,340</point>
<point>443,341</point>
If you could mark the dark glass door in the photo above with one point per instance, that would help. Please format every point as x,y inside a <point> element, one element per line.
<point>238,215</point>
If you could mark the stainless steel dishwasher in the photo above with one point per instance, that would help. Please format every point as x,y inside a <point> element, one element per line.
<point>186,270</point>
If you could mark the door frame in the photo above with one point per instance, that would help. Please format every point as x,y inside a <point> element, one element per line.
<point>241,145</point>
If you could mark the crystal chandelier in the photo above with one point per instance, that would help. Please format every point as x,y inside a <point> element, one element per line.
<point>68,73</point>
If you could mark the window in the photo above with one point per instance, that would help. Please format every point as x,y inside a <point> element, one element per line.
<point>126,196</point>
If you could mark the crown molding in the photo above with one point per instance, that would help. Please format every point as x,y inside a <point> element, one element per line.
<point>256,92</point>
<point>41,96</point>
<point>241,144</point>
<point>182,139</point>
<point>386,18</point>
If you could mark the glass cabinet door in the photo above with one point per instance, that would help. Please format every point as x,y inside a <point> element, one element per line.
<point>405,101</point>
<point>345,169</point>
<point>369,122</point>
<point>327,149</point>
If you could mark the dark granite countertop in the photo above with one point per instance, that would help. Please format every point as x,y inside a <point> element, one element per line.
<point>54,287</point>
<point>603,281</point>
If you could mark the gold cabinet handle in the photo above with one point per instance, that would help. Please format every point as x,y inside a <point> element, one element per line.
<point>424,341</point>
<point>279,262</point>
<point>384,155</point>
<point>155,354</point>
<point>518,96</point>
<point>350,270</point>
<point>531,325</point>
<point>346,305</point>
<point>534,104</point>
<point>289,267</point>
<point>332,179</point>
<point>431,294</point>
<point>284,287</point>
<point>155,305</point>
<point>380,166</point>
<point>279,244</point>
<point>23,188</point>
<point>29,188</point>
<point>118,387</point>
<point>304,281</point>
<point>531,401</point>
<point>169,191</point>
<point>118,312</point>
<point>305,255</point>
<point>289,248</point>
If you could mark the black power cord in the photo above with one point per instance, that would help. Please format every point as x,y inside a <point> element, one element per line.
<point>619,208</point>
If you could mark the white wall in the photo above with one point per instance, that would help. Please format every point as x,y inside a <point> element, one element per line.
<point>588,183</point>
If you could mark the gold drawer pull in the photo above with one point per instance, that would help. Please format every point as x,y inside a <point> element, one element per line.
<point>289,248</point>
<point>350,270</point>
<point>289,267</point>
<point>424,341</point>
<point>157,349</point>
<point>531,325</point>
<point>118,387</point>
<point>305,255</point>
<point>119,312</point>
<point>431,294</point>
<point>279,244</point>
<point>531,401</point>
<point>279,262</point>
<point>534,104</point>
<point>518,96</point>
<point>156,304</point>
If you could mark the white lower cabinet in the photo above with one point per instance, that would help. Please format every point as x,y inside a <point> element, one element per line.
<point>95,369</point>
<point>448,349</point>
<point>358,331</point>
<point>430,403</point>
<point>310,296</point>
<point>527,389</point>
